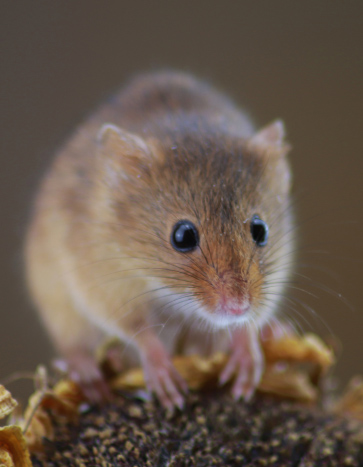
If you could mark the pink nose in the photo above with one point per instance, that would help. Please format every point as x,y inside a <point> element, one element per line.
<point>238,310</point>
<point>234,308</point>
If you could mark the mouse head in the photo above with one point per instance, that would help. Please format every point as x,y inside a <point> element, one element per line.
<point>208,213</point>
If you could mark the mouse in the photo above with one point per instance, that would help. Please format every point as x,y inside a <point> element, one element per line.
<point>164,221</point>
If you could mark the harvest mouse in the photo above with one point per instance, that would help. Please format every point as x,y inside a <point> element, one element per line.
<point>164,221</point>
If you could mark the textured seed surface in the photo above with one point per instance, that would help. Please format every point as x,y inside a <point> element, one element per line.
<point>212,430</point>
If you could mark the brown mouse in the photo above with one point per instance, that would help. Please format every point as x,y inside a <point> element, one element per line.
<point>164,221</point>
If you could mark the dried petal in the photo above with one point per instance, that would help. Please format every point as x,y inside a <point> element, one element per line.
<point>68,392</point>
<point>198,372</point>
<point>288,383</point>
<point>13,448</point>
<point>351,402</point>
<point>307,348</point>
<point>7,403</point>
<point>62,400</point>
<point>40,427</point>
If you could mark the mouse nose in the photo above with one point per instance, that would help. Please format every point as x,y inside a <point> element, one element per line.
<point>235,308</point>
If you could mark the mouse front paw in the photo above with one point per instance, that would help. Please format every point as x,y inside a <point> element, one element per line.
<point>245,364</point>
<point>162,378</point>
<point>83,369</point>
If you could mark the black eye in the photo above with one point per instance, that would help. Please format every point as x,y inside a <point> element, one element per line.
<point>184,236</point>
<point>259,231</point>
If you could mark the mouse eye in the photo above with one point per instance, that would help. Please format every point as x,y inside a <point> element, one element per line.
<point>259,231</point>
<point>184,236</point>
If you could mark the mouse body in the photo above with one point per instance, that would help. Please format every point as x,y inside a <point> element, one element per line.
<point>164,221</point>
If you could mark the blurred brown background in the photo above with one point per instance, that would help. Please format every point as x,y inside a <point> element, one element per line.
<point>300,61</point>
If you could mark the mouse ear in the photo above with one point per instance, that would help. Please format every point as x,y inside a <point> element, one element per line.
<point>122,152</point>
<point>269,143</point>
<point>115,138</point>
<point>271,136</point>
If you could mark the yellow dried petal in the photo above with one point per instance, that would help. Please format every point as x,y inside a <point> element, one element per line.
<point>288,383</point>
<point>63,400</point>
<point>5,459</point>
<point>13,448</point>
<point>56,404</point>
<point>197,371</point>
<point>351,402</point>
<point>68,392</point>
<point>39,427</point>
<point>7,403</point>
<point>130,380</point>
<point>307,348</point>
<point>200,372</point>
